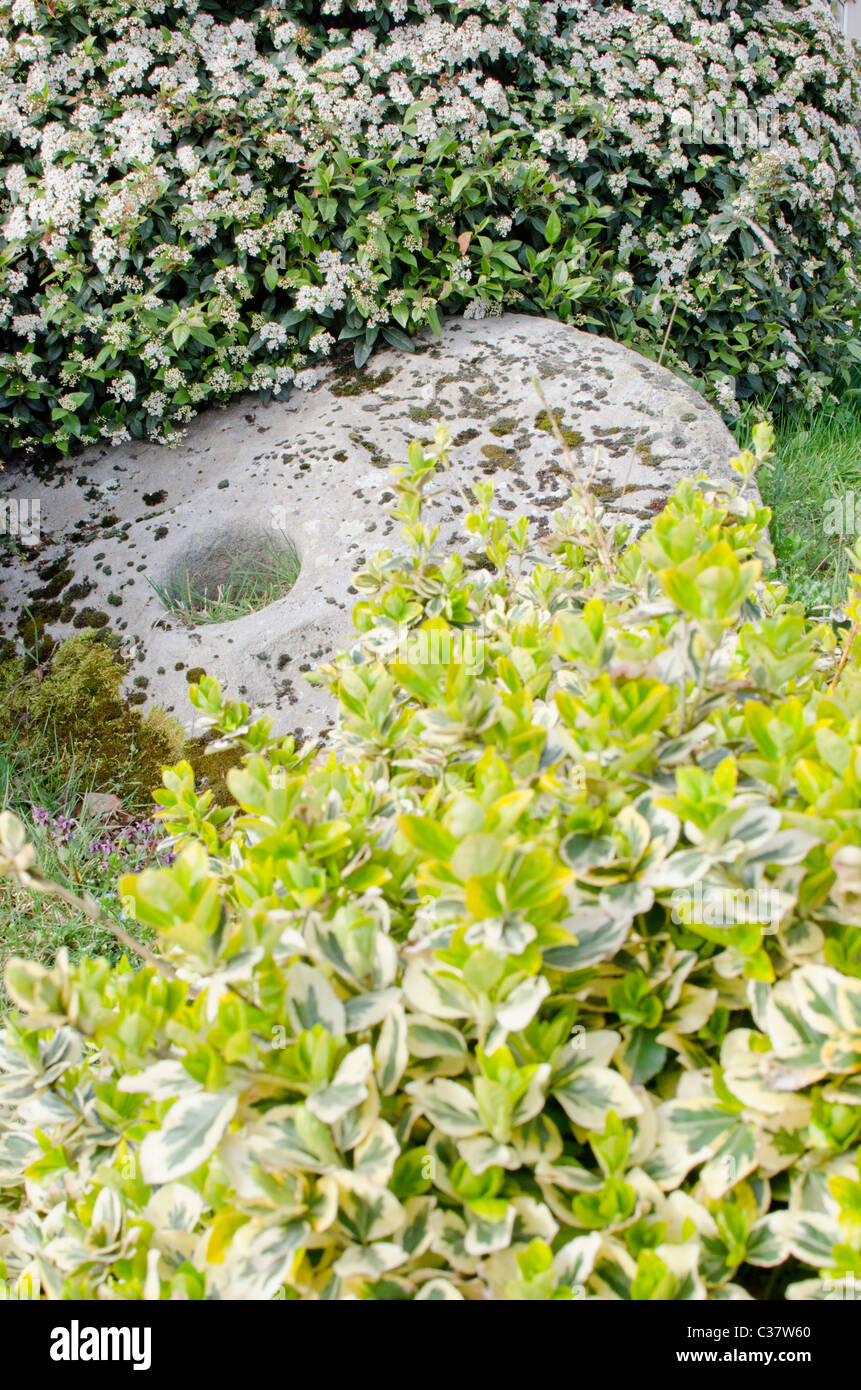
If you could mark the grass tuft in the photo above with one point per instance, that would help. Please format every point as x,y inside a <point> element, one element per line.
<point>813,488</point>
<point>253,582</point>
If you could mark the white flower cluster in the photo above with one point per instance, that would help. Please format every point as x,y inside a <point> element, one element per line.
<point>167,158</point>
<point>332,294</point>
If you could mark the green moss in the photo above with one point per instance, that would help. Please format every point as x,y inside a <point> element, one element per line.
<point>80,699</point>
<point>90,617</point>
<point>465,437</point>
<point>421,414</point>
<point>211,769</point>
<point>195,674</point>
<point>49,569</point>
<point>573,438</point>
<point>605,492</point>
<point>79,591</point>
<point>504,426</point>
<point>351,381</point>
<point>377,457</point>
<point>55,586</point>
<point>33,635</point>
<point>497,457</point>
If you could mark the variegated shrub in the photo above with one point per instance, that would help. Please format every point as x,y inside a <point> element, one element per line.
<point>544,984</point>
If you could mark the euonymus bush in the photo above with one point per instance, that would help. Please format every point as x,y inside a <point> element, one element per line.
<point>198,199</point>
<point>545,983</point>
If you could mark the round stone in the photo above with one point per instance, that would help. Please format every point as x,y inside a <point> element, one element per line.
<point>315,467</point>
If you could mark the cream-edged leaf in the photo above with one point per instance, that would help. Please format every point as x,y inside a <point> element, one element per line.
<point>189,1135</point>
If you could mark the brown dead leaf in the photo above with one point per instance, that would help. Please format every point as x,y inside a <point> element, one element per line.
<point>98,804</point>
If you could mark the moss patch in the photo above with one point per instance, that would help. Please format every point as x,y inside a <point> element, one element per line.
<point>377,457</point>
<point>351,381</point>
<point>55,585</point>
<point>573,438</point>
<point>90,617</point>
<point>79,697</point>
<point>211,769</point>
<point>497,457</point>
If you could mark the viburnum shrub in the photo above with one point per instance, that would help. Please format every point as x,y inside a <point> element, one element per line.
<point>544,983</point>
<point>199,199</point>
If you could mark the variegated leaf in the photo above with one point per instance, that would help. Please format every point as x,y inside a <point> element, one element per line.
<point>450,1107</point>
<point>348,1088</point>
<point>392,1053</point>
<point>591,1092</point>
<point>189,1135</point>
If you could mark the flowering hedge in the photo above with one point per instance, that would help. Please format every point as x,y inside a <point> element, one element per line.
<point>545,984</point>
<point>198,199</point>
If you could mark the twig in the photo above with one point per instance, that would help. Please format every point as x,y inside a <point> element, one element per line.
<point>584,492</point>
<point>853,633</point>
<point>94,914</point>
<point>92,911</point>
<point>642,428</point>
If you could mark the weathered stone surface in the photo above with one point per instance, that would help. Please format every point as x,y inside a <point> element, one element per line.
<point>315,468</point>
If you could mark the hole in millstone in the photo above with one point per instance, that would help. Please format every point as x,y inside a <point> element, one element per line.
<point>237,573</point>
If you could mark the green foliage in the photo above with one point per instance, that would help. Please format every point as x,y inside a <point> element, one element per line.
<point>86,854</point>
<point>448,1012</point>
<point>197,203</point>
<point>814,492</point>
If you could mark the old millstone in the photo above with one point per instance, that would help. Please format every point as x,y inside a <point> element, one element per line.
<point>314,467</point>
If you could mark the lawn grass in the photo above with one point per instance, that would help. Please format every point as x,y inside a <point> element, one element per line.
<point>815,485</point>
<point>83,853</point>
